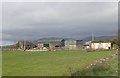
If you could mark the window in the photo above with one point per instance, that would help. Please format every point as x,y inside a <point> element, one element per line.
<point>46,45</point>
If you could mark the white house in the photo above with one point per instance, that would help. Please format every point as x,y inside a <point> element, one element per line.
<point>101,45</point>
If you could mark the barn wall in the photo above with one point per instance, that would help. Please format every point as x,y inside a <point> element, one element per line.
<point>100,45</point>
<point>40,45</point>
<point>70,44</point>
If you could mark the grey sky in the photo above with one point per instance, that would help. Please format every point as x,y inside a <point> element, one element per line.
<point>32,20</point>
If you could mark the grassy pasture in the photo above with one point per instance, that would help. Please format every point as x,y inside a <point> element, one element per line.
<point>20,63</point>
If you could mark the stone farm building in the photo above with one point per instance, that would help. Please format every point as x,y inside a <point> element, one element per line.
<point>51,44</point>
<point>25,44</point>
<point>72,44</point>
<point>68,44</point>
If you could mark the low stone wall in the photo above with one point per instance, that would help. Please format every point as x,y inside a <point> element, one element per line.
<point>36,50</point>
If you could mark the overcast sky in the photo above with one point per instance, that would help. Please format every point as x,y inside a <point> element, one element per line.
<point>35,20</point>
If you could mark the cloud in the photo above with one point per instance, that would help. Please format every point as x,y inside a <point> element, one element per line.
<point>31,20</point>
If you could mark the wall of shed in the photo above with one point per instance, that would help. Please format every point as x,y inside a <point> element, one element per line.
<point>52,45</point>
<point>70,44</point>
<point>101,45</point>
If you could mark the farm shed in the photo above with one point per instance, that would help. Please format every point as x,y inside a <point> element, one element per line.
<point>55,44</point>
<point>87,45</point>
<point>70,44</point>
<point>49,44</point>
<point>80,44</point>
<point>101,45</point>
<point>67,43</point>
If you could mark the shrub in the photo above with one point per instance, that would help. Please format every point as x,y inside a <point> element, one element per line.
<point>94,50</point>
<point>96,70</point>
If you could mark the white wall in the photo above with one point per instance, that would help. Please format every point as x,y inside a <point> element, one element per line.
<point>100,45</point>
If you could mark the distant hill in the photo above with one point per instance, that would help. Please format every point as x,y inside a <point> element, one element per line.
<point>50,39</point>
<point>99,38</point>
<point>84,40</point>
<point>8,46</point>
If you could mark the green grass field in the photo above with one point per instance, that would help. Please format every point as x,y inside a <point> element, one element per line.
<point>48,63</point>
